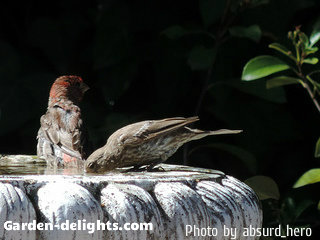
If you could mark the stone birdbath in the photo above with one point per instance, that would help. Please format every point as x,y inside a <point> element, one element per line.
<point>180,203</point>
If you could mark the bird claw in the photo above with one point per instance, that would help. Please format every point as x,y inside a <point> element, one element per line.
<point>133,169</point>
<point>150,168</point>
<point>153,169</point>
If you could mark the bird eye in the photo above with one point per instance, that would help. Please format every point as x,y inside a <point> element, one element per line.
<point>91,165</point>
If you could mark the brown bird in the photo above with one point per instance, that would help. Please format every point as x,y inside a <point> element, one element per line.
<point>146,143</point>
<point>62,137</point>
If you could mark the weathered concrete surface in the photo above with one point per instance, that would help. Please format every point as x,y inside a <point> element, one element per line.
<point>179,199</point>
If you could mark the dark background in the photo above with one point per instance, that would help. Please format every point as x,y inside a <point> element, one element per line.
<point>136,72</point>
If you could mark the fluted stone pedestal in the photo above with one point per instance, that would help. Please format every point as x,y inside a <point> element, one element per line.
<point>180,203</point>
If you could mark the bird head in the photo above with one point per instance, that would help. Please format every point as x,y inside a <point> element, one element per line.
<point>67,87</point>
<point>100,161</point>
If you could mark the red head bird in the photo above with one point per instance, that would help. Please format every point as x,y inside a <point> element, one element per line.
<point>61,137</point>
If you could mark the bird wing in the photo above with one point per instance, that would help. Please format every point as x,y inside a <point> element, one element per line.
<point>135,133</point>
<point>64,129</point>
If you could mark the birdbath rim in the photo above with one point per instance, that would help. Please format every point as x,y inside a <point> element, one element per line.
<point>172,173</point>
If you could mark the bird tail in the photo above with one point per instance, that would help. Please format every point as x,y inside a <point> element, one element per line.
<point>224,131</point>
<point>201,134</point>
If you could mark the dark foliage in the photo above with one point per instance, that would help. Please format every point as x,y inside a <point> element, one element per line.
<point>156,59</point>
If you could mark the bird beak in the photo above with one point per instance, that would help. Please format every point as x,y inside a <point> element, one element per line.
<point>84,87</point>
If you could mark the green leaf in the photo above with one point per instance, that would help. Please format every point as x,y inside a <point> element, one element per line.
<point>314,38</point>
<point>252,32</point>
<point>293,208</point>
<point>282,49</point>
<point>175,32</point>
<point>262,66</point>
<point>246,157</point>
<point>258,89</point>
<point>265,187</point>
<point>317,151</point>
<point>256,3</point>
<point>312,61</point>
<point>281,81</point>
<point>315,35</point>
<point>304,38</point>
<point>310,50</point>
<point>211,10</point>
<point>309,177</point>
<point>201,58</point>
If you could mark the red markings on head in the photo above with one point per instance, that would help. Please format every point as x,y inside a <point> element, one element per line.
<point>67,81</point>
<point>62,84</point>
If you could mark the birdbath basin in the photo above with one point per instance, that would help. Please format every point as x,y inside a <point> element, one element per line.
<point>180,203</point>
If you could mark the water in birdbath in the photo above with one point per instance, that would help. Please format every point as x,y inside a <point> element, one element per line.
<point>15,165</point>
<point>31,165</point>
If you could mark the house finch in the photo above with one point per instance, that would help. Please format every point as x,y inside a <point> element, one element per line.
<point>146,143</point>
<point>61,137</point>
